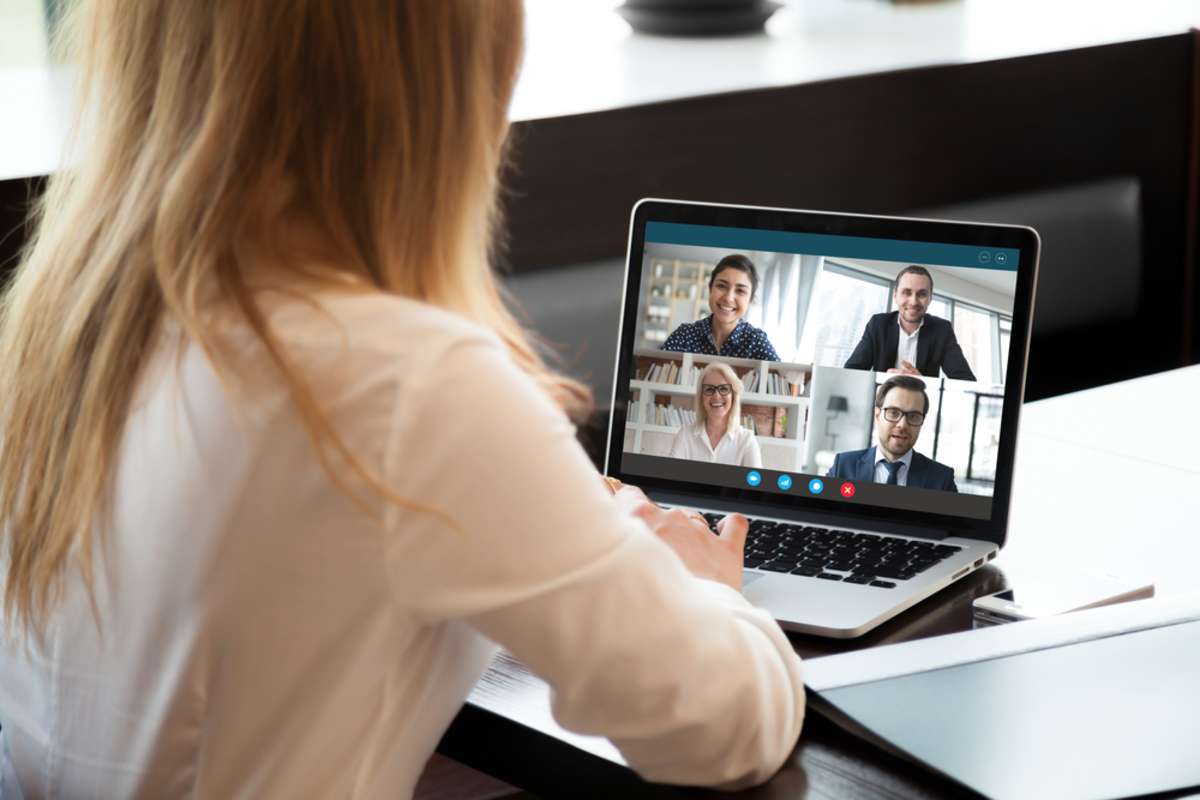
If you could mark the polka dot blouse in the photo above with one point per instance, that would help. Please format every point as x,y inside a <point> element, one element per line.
<point>746,341</point>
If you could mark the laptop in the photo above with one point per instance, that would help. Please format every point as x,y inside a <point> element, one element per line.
<point>850,383</point>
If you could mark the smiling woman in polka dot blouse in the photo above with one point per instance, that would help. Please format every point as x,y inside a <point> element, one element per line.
<point>731,287</point>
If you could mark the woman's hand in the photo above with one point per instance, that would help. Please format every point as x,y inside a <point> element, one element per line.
<point>717,558</point>
<point>612,484</point>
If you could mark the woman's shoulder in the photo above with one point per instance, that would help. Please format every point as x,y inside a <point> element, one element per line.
<point>745,435</point>
<point>683,328</point>
<point>373,321</point>
<point>752,329</point>
<point>688,429</point>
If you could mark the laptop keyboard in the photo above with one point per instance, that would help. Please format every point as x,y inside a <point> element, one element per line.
<point>836,555</point>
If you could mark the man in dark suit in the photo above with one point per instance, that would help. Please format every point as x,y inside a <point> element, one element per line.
<point>900,408</point>
<point>908,340</point>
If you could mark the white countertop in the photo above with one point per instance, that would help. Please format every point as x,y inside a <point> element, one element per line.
<point>582,57</point>
<point>1107,480</point>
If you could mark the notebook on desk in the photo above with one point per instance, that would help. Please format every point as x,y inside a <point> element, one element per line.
<point>850,383</point>
<point>1098,703</point>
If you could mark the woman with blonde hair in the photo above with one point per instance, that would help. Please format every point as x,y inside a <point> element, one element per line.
<point>717,435</point>
<point>279,467</point>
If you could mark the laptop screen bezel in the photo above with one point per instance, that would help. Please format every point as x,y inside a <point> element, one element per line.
<point>821,222</point>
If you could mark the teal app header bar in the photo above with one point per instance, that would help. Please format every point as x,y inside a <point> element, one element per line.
<point>819,244</point>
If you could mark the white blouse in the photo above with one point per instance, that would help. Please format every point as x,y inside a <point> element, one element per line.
<point>260,635</point>
<point>738,448</point>
<point>906,348</point>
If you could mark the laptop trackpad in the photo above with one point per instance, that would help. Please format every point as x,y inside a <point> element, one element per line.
<point>749,577</point>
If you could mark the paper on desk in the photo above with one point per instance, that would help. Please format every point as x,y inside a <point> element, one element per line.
<point>907,658</point>
<point>509,689</point>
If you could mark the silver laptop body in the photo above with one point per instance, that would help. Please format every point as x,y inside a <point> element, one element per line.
<point>829,285</point>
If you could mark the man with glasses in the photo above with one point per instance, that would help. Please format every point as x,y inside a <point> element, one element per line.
<point>900,408</point>
<point>908,340</point>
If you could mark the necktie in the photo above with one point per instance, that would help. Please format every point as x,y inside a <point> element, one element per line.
<point>893,471</point>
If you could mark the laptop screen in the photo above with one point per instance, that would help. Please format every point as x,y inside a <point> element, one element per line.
<point>849,364</point>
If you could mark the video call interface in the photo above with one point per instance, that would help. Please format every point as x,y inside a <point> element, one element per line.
<point>849,369</point>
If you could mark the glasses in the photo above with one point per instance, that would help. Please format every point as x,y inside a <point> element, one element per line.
<point>723,389</point>
<point>893,414</point>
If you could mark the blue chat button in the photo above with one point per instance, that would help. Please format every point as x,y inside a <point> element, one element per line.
<point>816,486</point>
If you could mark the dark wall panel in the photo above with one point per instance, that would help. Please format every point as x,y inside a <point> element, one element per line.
<point>895,142</point>
<point>888,143</point>
<point>16,197</point>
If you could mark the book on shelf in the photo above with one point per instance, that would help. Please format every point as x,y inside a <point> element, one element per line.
<point>774,384</point>
<point>754,381</point>
<point>672,416</point>
<point>671,374</point>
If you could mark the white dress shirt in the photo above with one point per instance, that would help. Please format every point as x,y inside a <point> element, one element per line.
<point>906,350</point>
<point>881,473</point>
<point>259,635</point>
<point>738,448</point>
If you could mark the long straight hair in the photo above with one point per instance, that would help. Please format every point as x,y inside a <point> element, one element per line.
<point>209,133</point>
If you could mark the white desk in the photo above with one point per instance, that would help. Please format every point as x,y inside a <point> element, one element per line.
<point>1130,509</point>
<point>1109,479</point>
<point>1148,419</point>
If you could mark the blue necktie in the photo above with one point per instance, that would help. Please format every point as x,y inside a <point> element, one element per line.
<point>893,471</point>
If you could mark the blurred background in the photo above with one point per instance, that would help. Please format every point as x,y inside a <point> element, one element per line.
<point>1073,117</point>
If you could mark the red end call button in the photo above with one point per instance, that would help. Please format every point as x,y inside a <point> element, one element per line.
<point>847,489</point>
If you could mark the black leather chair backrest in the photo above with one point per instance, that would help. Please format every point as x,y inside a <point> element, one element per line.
<point>1089,282</point>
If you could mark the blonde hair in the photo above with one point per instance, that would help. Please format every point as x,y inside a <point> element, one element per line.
<point>734,420</point>
<point>210,133</point>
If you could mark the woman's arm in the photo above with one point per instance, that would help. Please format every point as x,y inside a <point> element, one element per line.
<point>768,351</point>
<point>693,684</point>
